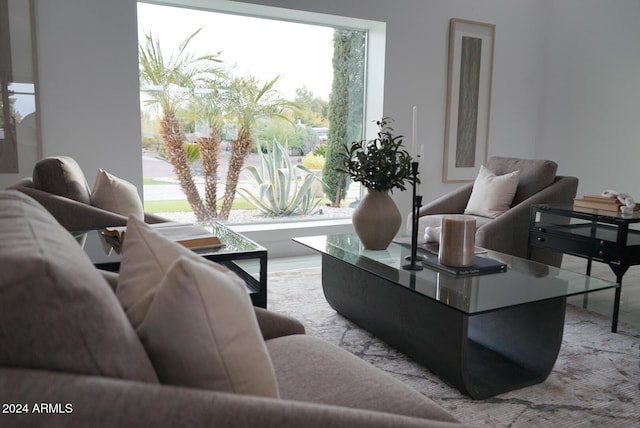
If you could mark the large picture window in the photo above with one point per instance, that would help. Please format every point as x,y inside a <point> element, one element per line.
<point>244,117</point>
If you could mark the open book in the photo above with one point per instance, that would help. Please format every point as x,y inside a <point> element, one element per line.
<point>190,235</point>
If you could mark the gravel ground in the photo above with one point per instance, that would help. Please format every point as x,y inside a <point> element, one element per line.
<point>163,171</point>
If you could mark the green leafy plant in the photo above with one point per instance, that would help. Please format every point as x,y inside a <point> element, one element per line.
<point>320,150</point>
<point>379,164</point>
<point>277,190</point>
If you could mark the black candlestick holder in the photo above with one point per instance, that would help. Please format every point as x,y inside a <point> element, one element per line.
<point>416,203</point>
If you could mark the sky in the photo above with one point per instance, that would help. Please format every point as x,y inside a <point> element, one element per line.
<point>264,48</point>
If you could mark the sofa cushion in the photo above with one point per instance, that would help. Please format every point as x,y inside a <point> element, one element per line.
<point>116,195</point>
<point>57,312</point>
<point>492,194</point>
<point>535,174</point>
<point>310,369</point>
<point>62,176</point>
<point>201,331</point>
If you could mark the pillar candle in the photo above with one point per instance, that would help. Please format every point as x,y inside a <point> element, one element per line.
<point>457,240</point>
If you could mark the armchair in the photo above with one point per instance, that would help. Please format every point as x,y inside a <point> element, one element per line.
<point>508,233</point>
<point>59,185</point>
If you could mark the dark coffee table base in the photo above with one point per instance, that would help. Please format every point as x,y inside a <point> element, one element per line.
<point>482,355</point>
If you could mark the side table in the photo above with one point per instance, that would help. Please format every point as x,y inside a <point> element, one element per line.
<point>236,247</point>
<point>604,236</point>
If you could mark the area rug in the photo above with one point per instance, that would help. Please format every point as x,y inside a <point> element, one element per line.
<point>595,381</point>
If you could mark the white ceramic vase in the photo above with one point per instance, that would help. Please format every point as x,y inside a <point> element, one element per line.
<point>376,220</point>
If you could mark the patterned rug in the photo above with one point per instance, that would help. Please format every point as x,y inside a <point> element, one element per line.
<point>595,381</point>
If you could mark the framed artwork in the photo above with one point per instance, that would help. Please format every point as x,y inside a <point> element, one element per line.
<point>19,124</point>
<point>468,98</point>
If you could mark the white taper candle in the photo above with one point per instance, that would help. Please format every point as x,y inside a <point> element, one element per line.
<point>415,132</point>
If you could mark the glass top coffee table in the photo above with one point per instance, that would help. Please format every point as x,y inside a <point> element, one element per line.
<point>105,254</point>
<point>484,334</point>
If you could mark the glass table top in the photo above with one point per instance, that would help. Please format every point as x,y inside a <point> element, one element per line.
<point>524,281</point>
<point>104,250</point>
<point>588,213</point>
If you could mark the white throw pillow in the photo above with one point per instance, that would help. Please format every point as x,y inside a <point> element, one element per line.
<point>194,316</point>
<point>492,194</point>
<point>116,195</point>
<point>146,258</point>
<point>201,331</point>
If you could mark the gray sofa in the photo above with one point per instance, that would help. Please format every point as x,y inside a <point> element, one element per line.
<point>70,355</point>
<point>508,233</point>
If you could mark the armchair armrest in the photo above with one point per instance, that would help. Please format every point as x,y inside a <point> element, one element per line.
<point>451,203</point>
<point>509,233</point>
<point>273,324</point>
<point>150,218</point>
<point>74,215</point>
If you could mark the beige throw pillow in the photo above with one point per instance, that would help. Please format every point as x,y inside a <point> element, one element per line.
<point>201,331</point>
<point>62,176</point>
<point>492,194</point>
<point>116,195</point>
<point>194,316</point>
<point>146,258</point>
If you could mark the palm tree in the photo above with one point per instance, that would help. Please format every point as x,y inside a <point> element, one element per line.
<point>248,101</point>
<point>169,83</point>
<point>209,105</point>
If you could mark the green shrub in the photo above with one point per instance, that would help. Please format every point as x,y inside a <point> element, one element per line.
<point>313,161</point>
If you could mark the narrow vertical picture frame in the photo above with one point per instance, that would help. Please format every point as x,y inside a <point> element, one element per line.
<point>468,98</point>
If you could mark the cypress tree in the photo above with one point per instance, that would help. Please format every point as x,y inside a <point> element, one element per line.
<point>356,69</point>
<point>334,181</point>
<point>345,108</point>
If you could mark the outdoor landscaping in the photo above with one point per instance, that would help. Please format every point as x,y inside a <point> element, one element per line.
<point>226,136</point>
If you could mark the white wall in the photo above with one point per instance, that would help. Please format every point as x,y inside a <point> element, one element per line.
<point>89,92</point>
<point>590,109</point>
<point>565,83</point>
<point>416,71</point>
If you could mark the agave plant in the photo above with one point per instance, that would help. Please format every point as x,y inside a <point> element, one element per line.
<point>276,189</point>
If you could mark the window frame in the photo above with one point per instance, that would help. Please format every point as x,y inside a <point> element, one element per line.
<point>372,105</point>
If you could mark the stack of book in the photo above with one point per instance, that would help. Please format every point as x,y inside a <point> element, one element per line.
<point>597,202</point>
